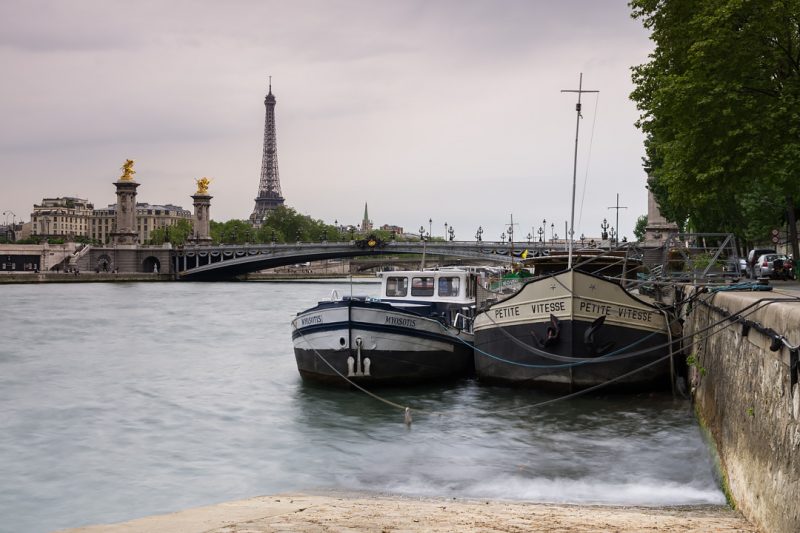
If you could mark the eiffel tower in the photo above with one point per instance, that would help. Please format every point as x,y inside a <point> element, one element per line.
<point>269,187</point>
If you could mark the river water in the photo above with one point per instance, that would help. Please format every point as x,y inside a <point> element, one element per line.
<point>124,400</point>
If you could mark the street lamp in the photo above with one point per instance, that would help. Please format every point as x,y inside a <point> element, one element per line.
<point>445,230</point>
<point>422,233</point>
<point>529,237</point>
<point>604,227</point>
<point>430,227</point>
<point>552,231</point>
<point>503,237</point>
<point>583,238</point>
<point>452,233</point>
<point>540,232</point>
<point>13,217</point>
<point>478,234</point>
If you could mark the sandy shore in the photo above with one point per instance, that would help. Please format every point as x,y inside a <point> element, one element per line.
<point>355,512</point>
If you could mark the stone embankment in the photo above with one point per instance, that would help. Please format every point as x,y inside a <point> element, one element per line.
<point>307,513</point>
<point>745,386</point>
<point>81,277</point>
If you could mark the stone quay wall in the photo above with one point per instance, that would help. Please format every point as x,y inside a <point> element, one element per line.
<point>745,395</point>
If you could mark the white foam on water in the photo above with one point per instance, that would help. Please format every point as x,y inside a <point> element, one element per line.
<point>644,492</point>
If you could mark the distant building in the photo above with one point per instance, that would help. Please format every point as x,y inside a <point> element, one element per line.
<point>366,223</point>
<point>62,217</point>
<point>397,230</point>
<point>148,218</point>
<point>70,218</point>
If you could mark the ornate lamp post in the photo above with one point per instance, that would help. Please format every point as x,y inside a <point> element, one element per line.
<point>553,231</point>
<point>540,232</point>
<point>503,237</point>
<point>336,224</point>
<point>478,234</point>
<point>583,238</point>
<point>529,237</point>
<point>613,235</point>
<point>445,230</point>
<point>604,227</point>
<point>452,233</point>
<point>430,227</point>
<point>422,233</point>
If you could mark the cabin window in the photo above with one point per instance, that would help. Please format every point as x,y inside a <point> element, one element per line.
<point>448,286</point>
<point>396,286</point>
<point>421,286</point>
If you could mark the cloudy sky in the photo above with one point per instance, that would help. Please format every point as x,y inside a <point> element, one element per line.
<point>447,110</point>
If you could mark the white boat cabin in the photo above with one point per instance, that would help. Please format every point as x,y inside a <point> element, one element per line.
<point>446,286</point>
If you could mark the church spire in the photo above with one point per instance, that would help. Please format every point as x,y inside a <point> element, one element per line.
<point>366,224</point>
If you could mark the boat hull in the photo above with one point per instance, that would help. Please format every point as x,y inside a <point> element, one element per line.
<point>573,331</point>
<point>375,343</point>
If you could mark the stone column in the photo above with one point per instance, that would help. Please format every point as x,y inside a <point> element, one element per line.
<point>126,232</point>
<point>658,228</point>
<point>202,206</point>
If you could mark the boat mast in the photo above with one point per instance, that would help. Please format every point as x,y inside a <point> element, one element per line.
<point>580,91</point>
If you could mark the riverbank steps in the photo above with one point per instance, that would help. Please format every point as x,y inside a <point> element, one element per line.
<point>748,399</point>
<point>306,513</point>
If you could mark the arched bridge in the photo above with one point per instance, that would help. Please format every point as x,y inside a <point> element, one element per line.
<point>211,263</point>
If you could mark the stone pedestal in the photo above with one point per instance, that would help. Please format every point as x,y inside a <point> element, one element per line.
<point>202,220</point>
<point>125,232</point>
<point>658,228</point>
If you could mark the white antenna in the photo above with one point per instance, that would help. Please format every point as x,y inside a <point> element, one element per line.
<point>580,91</point>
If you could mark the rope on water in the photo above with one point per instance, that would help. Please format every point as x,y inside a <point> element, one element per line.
<point>405,409</point>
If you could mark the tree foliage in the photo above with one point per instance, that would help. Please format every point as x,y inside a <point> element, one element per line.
<point>176,234</point>
<point>719,103</point>
<point>641,228</point>
<point>283,224</point>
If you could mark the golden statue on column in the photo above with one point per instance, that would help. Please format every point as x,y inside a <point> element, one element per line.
<point>202,185</point>
<point>127,171</point>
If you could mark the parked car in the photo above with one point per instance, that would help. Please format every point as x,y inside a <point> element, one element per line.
<point>752,257</point>
<point>765,265</point>
<point>736,266</point>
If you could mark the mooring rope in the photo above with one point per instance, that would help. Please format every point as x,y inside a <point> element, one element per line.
<point>348,380</point>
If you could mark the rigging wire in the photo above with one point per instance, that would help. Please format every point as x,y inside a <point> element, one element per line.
<point>588,157</point>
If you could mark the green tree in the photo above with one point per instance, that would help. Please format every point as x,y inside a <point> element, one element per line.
<point>640,228</point>
<point>720,106</point>
<point>232,232</point>
<point>176,234</point>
